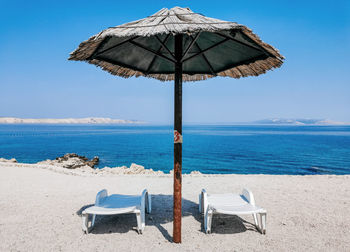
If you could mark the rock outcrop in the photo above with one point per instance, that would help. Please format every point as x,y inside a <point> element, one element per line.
<point>191,173</point>
<point>12,160</point>
<point>83,164</point>
<point>133,169</point>
<point>72,161</point>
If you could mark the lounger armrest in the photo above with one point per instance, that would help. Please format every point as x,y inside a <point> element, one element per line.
<point>100,196</point>
<point>203,201</point>
<point>248,195</point>
<point>146,202</point>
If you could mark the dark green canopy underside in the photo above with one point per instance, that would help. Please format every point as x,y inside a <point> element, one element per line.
<point>209,52</point>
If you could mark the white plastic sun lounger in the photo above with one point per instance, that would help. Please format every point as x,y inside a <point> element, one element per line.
<point>118,204</point>
<point>231,204</point>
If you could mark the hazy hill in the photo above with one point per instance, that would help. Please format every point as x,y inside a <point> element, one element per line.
<point>88,120</point>
<point>299,122</point>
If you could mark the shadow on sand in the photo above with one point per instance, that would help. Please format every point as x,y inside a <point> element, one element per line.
<point>162,213</point>
<point>230,224</point>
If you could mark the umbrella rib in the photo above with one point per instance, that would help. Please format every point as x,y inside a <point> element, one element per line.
<point>258,45</point>
<point>206,60</point>
<point>172,23</point>
<point>201,52</point>
<point>103,42</point>
<point>152,51</point>
<point>96,53</point>
<point>245,62</point>
<point>119,64</point>
<point>190,45</point>
<point>155,56</point>
<point>165,47</point>
<point>244,44</point>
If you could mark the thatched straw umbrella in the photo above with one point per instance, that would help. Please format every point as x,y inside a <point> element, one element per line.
<point>179,45</point>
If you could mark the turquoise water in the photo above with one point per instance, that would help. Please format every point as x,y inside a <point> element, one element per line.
<point>208,149</point>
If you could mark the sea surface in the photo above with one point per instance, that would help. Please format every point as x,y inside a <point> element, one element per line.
<point>221,149</point>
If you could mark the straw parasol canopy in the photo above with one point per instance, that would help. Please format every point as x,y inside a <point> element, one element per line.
<point>179,45</point>
<point>146,48</point>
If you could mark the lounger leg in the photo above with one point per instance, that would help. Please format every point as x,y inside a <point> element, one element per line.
<point>85,219</point>
<point>143,219</point>
<point>256,220</point>
<point>93,220</point>
<point>139,222</point>
<point>207,221</point>
<point>263,223</point>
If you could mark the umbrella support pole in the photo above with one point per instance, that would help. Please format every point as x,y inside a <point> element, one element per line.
<point>177,212</point>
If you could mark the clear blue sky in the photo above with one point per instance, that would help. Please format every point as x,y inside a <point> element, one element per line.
<point>37,80</point>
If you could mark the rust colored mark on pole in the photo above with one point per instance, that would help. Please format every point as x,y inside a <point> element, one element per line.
<point>178,144</point>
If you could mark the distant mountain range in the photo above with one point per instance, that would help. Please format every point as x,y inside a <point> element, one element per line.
<point>299,122</point>
<point>102,120</point>
<point>88,120</point>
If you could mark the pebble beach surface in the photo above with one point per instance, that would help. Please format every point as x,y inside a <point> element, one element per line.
<point>40,207</point>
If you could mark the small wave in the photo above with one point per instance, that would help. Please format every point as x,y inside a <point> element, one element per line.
<point>316,169</point>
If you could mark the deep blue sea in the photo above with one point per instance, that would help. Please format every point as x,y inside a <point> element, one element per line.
<point>208,149</point>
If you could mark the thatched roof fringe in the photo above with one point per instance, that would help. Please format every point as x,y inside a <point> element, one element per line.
<point>252,69</point>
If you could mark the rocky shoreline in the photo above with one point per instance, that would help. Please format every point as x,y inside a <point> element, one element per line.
<point>73,163</point>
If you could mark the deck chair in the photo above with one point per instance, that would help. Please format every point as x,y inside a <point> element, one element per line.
<point>231,204</point>
<point>118,204</point>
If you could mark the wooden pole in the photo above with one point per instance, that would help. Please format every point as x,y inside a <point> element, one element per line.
<point>177,140</point>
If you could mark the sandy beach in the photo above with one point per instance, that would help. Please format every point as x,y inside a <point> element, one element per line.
<point>40,211</point>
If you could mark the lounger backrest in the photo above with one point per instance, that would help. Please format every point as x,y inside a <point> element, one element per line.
<point>145,199</point>
<point>100,195</point>
<point>248,195</point>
